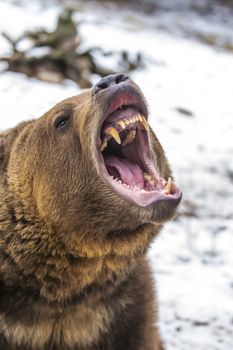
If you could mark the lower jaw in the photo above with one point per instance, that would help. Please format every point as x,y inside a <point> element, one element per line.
<point>141,197</point>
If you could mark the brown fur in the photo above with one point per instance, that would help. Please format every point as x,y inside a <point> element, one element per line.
<point>73,272</point>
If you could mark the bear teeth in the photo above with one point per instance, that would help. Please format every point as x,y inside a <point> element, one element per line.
<point>148,177</point>
<point>123,124</point>
<point>168,187</point>
<point>103,145</point>
<point>129,138</point>
<point>144,123</point>
<point>114,134</point>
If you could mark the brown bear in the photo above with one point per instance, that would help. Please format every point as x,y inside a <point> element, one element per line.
<point>83,191</point>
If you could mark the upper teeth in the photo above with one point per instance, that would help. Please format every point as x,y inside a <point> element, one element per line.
<point>123,123</point>
<point>129,138</point>
<point>103,145</point>
<point>114,133</point>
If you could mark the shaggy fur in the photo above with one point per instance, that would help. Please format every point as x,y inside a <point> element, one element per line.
<point>73,271</point>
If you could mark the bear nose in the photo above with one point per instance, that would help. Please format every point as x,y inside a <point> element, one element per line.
<point>109,80</point>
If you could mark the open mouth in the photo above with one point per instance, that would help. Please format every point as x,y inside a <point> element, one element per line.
<point>126,161</point>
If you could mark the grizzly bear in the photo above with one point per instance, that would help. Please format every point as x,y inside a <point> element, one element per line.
<point>83,191</point>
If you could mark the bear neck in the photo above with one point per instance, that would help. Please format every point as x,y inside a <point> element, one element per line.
<point>35,258</point>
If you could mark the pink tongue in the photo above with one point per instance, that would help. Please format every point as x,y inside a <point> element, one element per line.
<point>121,168</point>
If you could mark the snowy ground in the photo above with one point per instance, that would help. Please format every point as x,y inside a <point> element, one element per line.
<point>189,87</point>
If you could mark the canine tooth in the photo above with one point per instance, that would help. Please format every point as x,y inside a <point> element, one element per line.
<point>168,187</point>
<point>103,145</point>
<point>140,117</point>
<point>129,138</point>
<point>114,133</point>
<point>121,123</point>
<point>144,122</point>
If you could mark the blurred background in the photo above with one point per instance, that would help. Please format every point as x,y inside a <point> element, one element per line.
<point>180,52</point>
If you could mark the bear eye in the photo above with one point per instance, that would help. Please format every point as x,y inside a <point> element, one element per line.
<point>61,122</point>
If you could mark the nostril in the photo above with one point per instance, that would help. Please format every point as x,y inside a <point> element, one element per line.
<point>120,78</point>
<point>102,85</point>
<point>109,80</point>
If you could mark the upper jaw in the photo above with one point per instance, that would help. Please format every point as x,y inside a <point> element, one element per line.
<point>125,132</point>
<point>127,94</point>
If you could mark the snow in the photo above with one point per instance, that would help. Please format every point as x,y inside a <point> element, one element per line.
<point>192,258</point>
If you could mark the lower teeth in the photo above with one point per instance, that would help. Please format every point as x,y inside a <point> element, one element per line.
<point>147,177</point>
<point>168,187</point>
